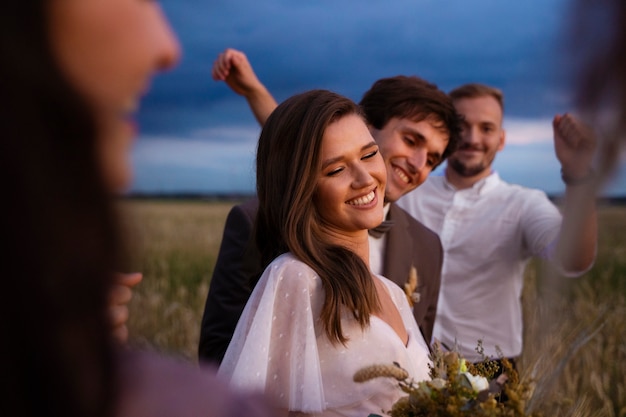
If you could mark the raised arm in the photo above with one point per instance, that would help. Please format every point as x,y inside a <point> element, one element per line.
<point>575,146</point>
<point>232,67</point>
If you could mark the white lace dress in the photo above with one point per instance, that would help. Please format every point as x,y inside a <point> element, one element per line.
<point>280,347</point>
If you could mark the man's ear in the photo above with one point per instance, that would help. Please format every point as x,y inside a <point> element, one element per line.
<point>502,139</point>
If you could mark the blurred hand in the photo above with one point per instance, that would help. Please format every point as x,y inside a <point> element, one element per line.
<point>574,144</point>
<point>119,297</point>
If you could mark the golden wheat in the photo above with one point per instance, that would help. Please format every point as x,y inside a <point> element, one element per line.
<point>575,347</point>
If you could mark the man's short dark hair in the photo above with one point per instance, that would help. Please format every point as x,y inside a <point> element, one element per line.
<point>410,97</point>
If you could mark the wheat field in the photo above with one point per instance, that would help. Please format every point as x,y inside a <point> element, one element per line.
<point>575,329</point>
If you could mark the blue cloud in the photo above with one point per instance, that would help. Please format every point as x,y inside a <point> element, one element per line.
<point>345,46</point>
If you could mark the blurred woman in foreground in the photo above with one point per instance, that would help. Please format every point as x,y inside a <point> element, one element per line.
<point>71,77</point>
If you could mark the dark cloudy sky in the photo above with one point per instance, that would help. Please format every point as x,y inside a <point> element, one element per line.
<point>198,136</point>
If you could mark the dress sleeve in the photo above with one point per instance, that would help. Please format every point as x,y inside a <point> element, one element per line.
<point>274,348</point>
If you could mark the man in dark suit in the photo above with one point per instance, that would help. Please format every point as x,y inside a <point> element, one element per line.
<point>416,127</point>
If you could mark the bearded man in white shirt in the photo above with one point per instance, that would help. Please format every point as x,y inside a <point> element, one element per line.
<point>490,229</point>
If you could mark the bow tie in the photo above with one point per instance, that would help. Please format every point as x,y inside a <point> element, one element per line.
<point>381,229</point>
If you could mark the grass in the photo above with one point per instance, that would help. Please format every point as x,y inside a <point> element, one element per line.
<point>575,329</point>
<point>575,333</point>
<point>176,245</point>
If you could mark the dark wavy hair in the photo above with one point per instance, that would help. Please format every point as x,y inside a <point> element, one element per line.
<point>411,97</point>
<point>288,165</point>
<point>59,231</point>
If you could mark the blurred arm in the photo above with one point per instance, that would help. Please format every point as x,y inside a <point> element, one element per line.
<point>575,146</point>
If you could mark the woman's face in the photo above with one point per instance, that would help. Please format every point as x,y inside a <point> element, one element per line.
<point>109,49</point>
<point>351,185</point>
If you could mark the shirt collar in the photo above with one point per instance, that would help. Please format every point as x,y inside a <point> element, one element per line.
<point>386,208</point>
<point>480,187</point>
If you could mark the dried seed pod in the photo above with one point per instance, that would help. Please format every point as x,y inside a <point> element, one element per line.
<point>378,371</point>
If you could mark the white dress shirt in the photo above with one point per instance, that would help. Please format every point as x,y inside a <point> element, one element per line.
<point>488,232</point>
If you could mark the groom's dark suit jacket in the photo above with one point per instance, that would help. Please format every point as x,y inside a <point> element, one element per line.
<point>409,243</point>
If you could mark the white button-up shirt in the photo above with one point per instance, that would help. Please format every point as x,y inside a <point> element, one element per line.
<point>488,232</point>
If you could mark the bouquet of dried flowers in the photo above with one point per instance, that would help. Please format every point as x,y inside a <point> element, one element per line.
<point>456,388</point>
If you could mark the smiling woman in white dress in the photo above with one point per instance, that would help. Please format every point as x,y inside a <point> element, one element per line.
<point>318,314</point>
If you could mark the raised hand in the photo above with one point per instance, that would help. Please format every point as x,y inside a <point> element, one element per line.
<point>574,144</point>
<point>232,67</point>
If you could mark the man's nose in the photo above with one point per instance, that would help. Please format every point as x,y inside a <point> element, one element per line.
<point>470,135</point>
<point>417,160</point>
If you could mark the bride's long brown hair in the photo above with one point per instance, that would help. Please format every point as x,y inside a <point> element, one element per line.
<point>288,164</point>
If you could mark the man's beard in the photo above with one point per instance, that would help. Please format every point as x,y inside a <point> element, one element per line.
<point>466,170</point>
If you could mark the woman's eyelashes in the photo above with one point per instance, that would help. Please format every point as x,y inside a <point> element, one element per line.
<point>337,170</point>
<point>334,172</point>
